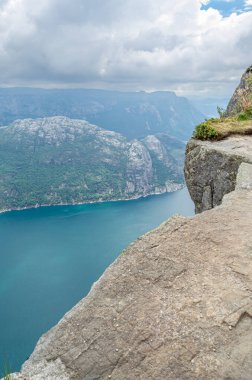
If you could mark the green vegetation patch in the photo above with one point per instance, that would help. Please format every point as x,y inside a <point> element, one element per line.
<point>237,119</point>
<point>218,129</point>
<point>205,131</point>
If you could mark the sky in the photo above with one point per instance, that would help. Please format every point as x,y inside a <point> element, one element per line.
<point>193,47</point>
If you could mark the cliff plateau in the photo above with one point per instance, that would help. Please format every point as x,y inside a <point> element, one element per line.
<point>177,303</point>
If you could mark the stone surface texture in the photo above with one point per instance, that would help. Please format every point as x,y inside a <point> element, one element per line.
<point>240,98</point>
<point>176,304</point>
<point>211,168</point>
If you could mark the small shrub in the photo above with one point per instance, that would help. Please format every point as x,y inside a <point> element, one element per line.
<point>205,131</point>
<point>221,112</point>
<point>212,120</point>
<point>245,115</point>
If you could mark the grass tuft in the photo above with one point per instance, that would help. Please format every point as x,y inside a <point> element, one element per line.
<point>218,129</point>
<point>205,131</point>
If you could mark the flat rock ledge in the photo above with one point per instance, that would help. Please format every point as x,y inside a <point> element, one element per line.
<point>176,304</point>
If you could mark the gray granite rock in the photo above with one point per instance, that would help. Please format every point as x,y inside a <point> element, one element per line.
<point>244,177</point>
<point>243,92</point>
<point>211,168</point>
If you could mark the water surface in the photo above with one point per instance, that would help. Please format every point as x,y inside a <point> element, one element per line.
<point>49,258</point>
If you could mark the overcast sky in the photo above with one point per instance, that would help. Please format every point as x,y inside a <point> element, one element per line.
<point>193,47</point>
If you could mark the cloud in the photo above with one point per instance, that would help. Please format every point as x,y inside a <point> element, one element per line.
<point>131,45</point>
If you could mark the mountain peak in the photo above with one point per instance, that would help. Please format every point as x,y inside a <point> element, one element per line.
<point>242,97</point>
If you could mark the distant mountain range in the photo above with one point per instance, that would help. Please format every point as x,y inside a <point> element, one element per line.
<point>133,114</point>
<point>75,146</point>
<point>58,160</point>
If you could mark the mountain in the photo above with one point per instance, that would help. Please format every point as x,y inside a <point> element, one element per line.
<point>133,114</point>
<point>59,160</point>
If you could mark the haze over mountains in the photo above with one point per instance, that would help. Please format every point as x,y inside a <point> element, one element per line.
<point>65,147</point>
<point>133,114</point>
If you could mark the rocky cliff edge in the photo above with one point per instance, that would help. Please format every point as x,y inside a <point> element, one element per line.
<point>211,168</point>
<point>177,303</point>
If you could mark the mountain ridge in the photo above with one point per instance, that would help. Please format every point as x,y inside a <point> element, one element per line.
<point>57,160</point>
<point>133,114</point>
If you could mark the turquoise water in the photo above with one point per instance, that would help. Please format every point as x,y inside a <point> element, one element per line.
<point>49,258</point>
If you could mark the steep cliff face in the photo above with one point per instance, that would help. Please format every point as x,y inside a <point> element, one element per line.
<point>242,97</point>
<point>139,169</point>
<point>211,168</point>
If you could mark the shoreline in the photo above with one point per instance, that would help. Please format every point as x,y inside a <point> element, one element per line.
<point>179,187</point>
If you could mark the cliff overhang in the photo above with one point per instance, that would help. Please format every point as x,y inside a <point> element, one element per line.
<point>211,168</point>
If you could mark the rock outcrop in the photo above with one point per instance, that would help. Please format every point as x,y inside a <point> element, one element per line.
<point>175,305</point>
<point>242,97</point>
<point>211,168</point>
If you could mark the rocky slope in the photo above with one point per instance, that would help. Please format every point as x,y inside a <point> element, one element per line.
<point>133,114</point>
<point>211,168</point>
<point>64,161</point>
<point>242,97</point>
<point>175,305</point>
